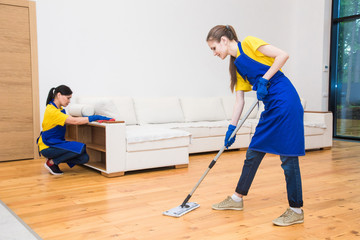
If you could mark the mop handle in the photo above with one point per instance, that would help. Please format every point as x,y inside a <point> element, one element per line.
<point>220,152</point>
<point>247,114</point>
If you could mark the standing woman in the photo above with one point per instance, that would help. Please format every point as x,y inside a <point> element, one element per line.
<point>52,143</point>
<point>256,65</point>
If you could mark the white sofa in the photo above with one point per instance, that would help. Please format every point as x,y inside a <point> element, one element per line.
<point>183,125</point>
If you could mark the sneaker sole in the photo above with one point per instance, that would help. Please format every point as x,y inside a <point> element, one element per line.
<point>47,167</point>
<point>237,209</point>
<point>289,224</point>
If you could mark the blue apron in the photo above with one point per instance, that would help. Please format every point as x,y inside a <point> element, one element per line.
<point>55,137</point>
<point>281,126</point>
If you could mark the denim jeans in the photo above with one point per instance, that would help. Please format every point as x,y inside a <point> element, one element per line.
<point>65,156</point>
<point>291,169</point>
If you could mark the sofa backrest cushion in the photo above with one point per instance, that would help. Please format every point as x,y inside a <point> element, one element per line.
<point>80,110</point>
<point>229,102</point>
<point>158,110</point>
<point>108,106</point>
<point>261,109</point>
<point>202,109</point>
<point>126,108</point>
<point>303,102</point>
<point>261,106</point>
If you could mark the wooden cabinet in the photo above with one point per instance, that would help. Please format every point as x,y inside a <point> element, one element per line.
<point>19,94</point>
<point>105,144</point>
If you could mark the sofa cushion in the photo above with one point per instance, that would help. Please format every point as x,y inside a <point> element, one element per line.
<point>310,131</point>
<point>202,109</point>
<point>125,106</point>
<point>147,133</point>
<point>170,143</point>
<point>221,131</point>
<point>303,103</point>
<point>108,106</point>
<point>158,110</point>
<point>261,106</point>
<point>260,110</point>
<point>229,102</point>
<point>80,110</point>
<point>314,128</point>
<point>310,127</point>
<point>103,106</point>
<point>205,129</point>
<point>142,138</point>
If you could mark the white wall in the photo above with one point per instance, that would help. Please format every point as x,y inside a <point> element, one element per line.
<point>311,51</point>
<point>158,48</point>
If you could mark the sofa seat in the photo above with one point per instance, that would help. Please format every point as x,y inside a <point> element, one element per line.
<point>144,138</point>
<point>209,135</point>
<point>318,129</point>
<point>310,128</point>
<point>162,131</point>
<point>204,128</point>
<point>152,147</point>
<point>313,128</point>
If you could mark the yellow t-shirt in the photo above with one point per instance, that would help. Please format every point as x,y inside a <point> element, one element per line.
<point>52,117</point>
<point>250,45</point>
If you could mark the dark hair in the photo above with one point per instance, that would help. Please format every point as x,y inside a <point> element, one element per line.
<point>228,31</point>
<point>62,89</point>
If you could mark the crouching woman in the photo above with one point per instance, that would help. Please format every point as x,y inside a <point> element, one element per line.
<point>51,142</point>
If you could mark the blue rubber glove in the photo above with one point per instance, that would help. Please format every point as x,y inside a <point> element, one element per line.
<point>262,88</point>
<point>97,117</point>
<point>229,142</point>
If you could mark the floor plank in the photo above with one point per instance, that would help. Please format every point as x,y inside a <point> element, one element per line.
<point>82,204</point>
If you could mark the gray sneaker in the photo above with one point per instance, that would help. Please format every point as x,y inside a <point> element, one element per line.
<point>228,204</point>
<point>289,217</point>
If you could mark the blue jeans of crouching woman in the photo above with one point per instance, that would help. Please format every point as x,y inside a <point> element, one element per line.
<point>65,156</point>
<point>291,169</point>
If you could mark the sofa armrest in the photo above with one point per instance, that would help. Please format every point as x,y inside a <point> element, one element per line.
<point>317,112</point>
<point>325,118</point>
<point>113,135</point>
<point>317,116</point>
<point>116,147</point>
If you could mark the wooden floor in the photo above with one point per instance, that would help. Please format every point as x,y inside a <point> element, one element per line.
<point>348,127</point>
<point>82,204</point>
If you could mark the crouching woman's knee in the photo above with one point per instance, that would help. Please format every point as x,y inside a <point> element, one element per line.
<point>84,158</point>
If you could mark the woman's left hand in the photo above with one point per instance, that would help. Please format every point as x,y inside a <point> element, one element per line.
<point>97,117</point>
<point>229,141</point>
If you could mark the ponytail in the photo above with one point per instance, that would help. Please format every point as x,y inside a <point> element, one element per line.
<point>51,96</point>
<point>228,31</point>
<point>232,70</point>
<point>62,89</point>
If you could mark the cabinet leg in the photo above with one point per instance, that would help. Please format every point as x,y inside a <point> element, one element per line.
<point>325,148</point>
<point>115,174</point>
<point>181,166</point>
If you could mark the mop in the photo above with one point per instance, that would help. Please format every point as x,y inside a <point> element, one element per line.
<point>186,206</point>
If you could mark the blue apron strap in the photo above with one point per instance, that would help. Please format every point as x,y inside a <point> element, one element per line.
<point>52,103</point>
<point>37,142</point>
<point>240,48</point>
<point>63,110</point>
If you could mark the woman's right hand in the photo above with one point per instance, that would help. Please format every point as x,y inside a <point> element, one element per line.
<point>262,88</point>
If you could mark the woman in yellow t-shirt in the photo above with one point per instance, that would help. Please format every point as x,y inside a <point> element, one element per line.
<point>52,143</point>
<point>256,65</point>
